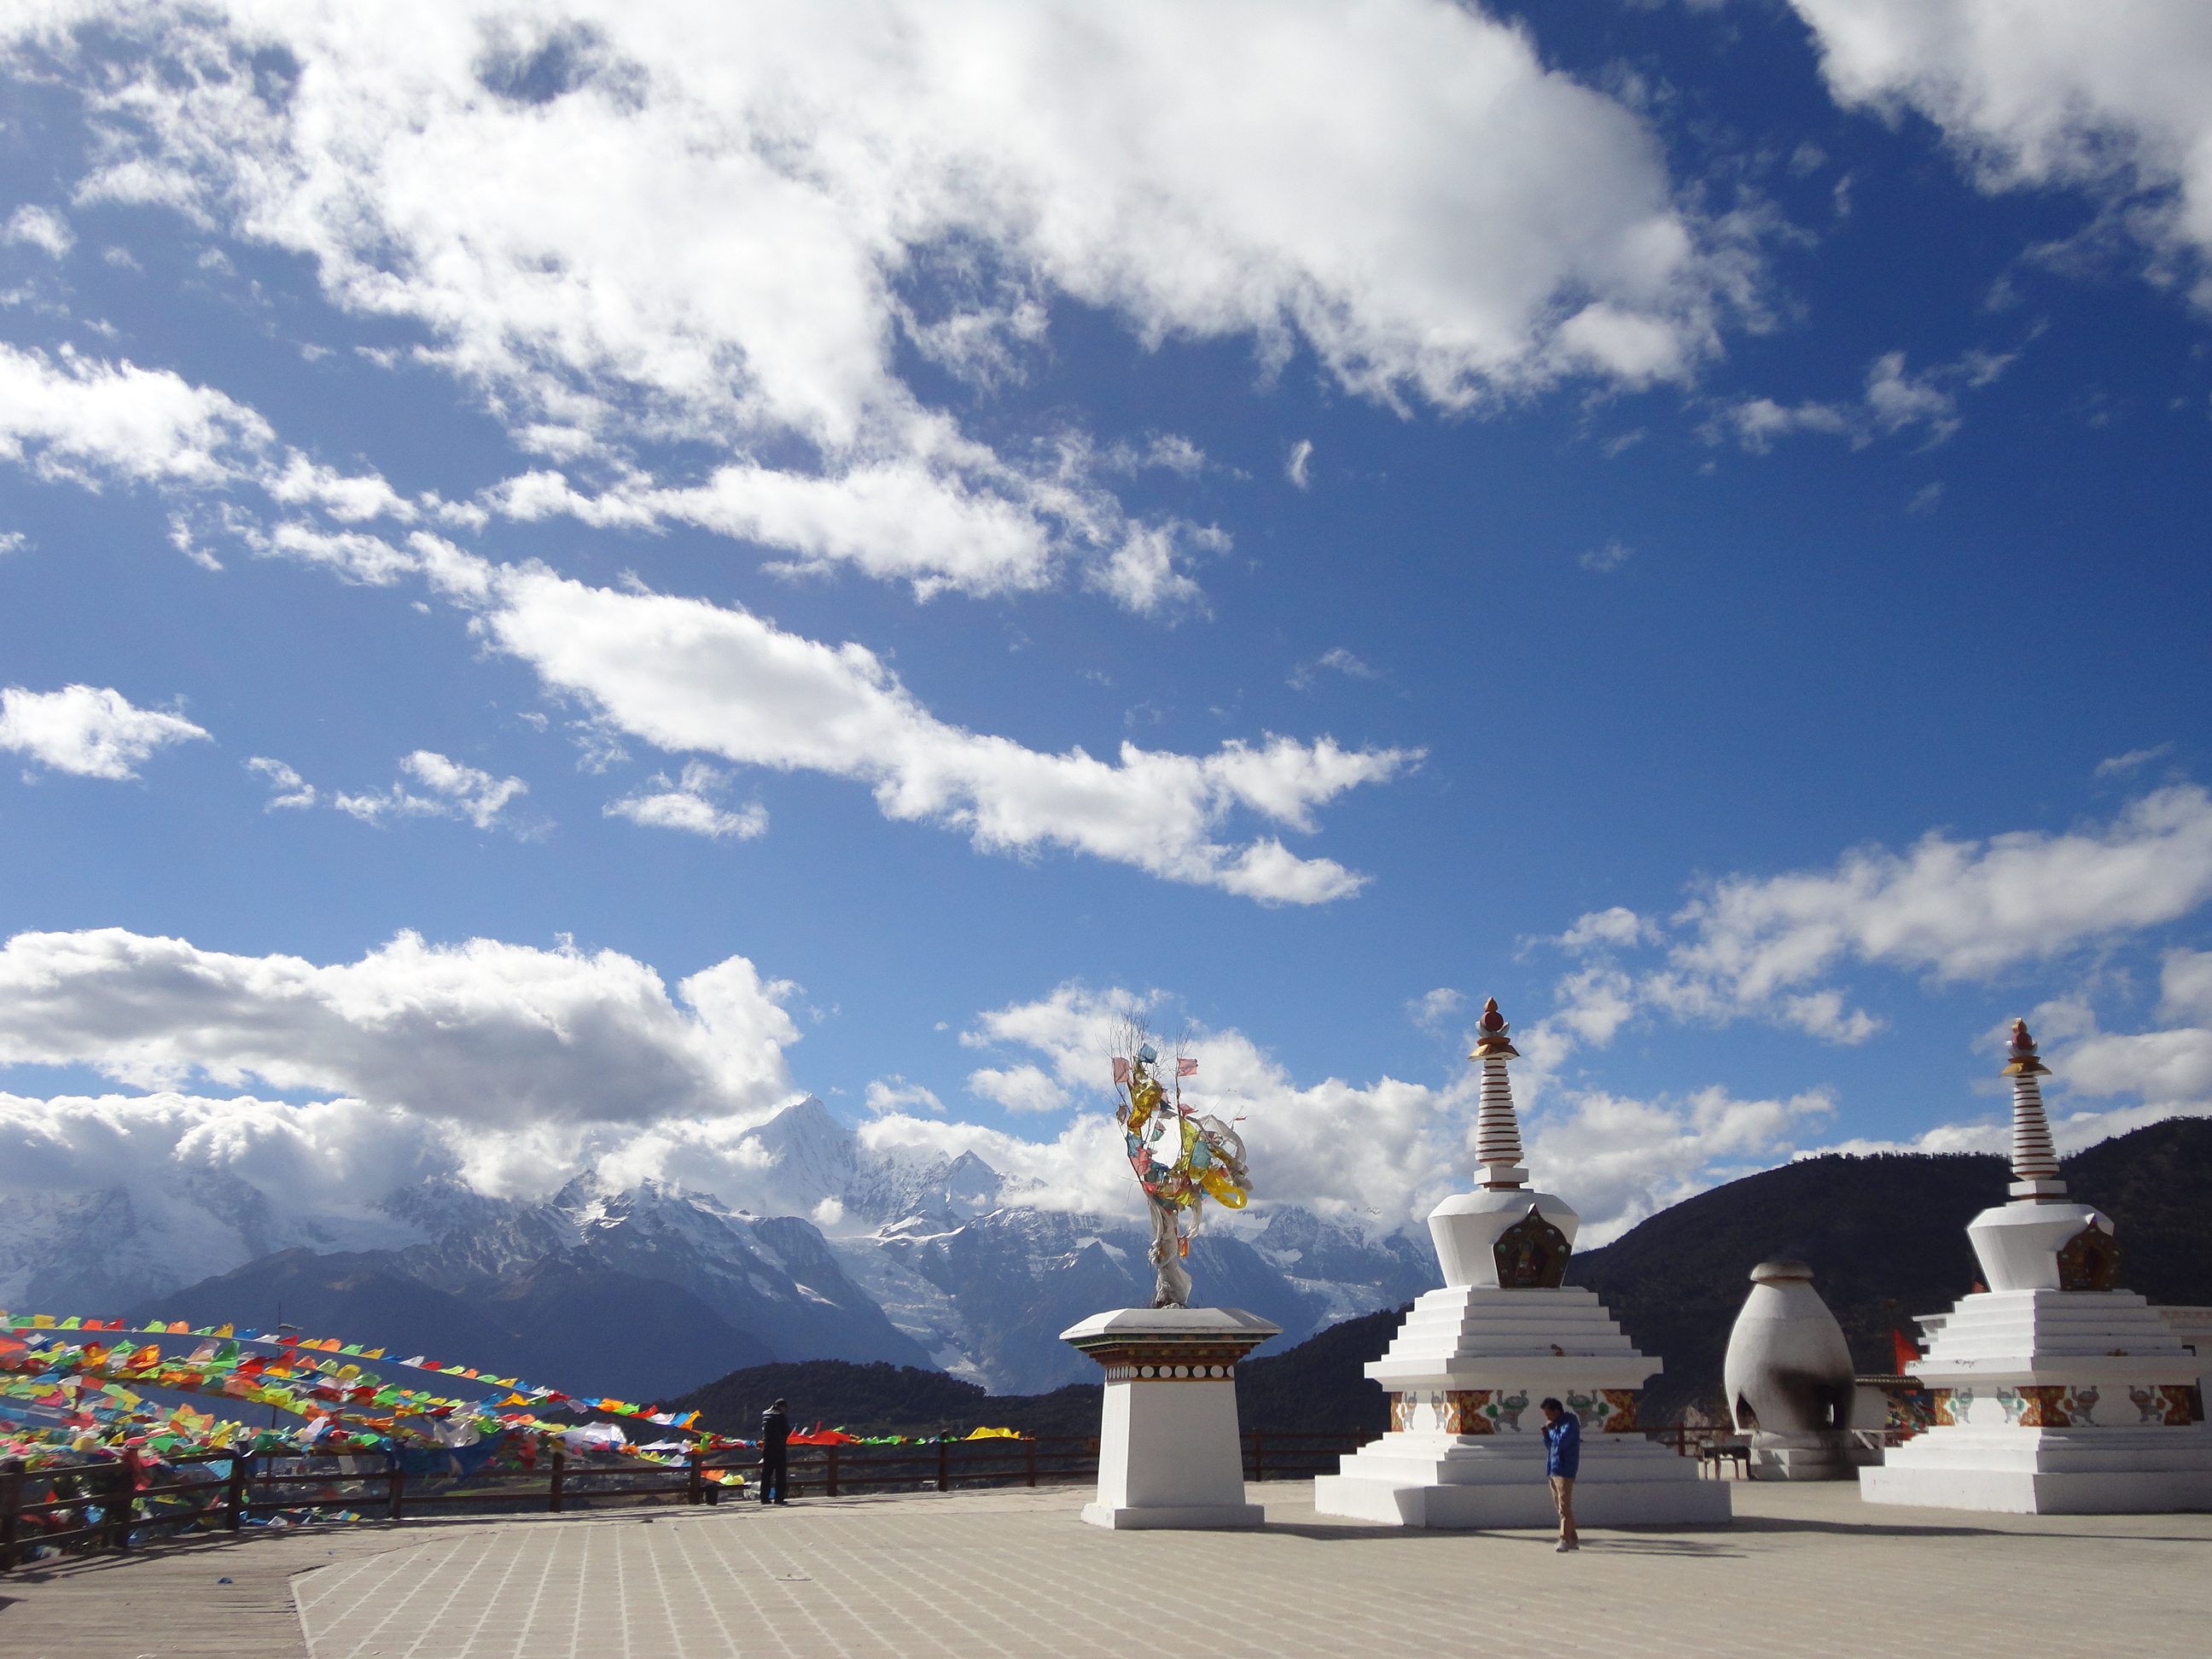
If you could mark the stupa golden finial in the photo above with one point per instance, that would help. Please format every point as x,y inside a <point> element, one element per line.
<point>1492,1039</point>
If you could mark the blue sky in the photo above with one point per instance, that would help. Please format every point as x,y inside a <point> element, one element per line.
<point>1657,463</point>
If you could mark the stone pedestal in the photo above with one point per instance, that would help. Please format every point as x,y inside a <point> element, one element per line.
<point>1466,1445</point>
<point>1170,1452</point>
<point>2053,1403</point>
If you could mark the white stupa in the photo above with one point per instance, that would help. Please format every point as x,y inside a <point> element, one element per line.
<point>1468,1367</point>
<point>2055,1393</point>
<point>1788,1378</point>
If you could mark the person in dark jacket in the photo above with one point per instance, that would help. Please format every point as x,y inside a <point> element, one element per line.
<point>1563,1460</point>
<point>774,1439</point>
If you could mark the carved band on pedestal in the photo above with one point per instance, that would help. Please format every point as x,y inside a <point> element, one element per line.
<point>1212,1361</point>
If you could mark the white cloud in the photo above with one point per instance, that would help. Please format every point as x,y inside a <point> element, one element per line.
<point>1431,1010</point>
<point>690,677</point>
<point>91,731</point>
<point>455,792</point>
<point>1018,1089</point>
<point>1894,402</point>
<point>2120,765</point>
<point>1766,946</point>
<point>2108,99</point>
<point>1613,555</point>
<point>1403,189</point>
<point>42,227</point>
<point>1617,925</point>
<point>89,421</point>
<point>349,499</point>
<point>318,1169</point>
<point>894,1094</point>
<point>71,417</point>
<point>287,787</point>
<point>2170,1068</point>
<point>686,804</point>
<point>1294,469</point>
<point>1343,661</point>
<point>1618,1160</point>
<point>481,1033</point>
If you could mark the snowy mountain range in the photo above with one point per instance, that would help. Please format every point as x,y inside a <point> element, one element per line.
<point>838,1253</point>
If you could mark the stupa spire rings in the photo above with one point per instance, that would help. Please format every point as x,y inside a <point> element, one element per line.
<point>1498,1127</point>
<point>2034,1159</point>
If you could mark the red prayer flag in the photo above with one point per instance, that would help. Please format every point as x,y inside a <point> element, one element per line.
<point>1185,1069</point>
<point>1906,1352</point>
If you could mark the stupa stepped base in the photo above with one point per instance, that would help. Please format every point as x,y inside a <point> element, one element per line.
<point>2097,1471</point>
<point>1428,1479</point>
<point>1808,1457</point>
<point>2016,1332</point>
<point>1478,1325</point>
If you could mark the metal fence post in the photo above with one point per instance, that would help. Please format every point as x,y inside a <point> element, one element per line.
<point>832,1476</point>
<point>695,1493</point>
<point>397,1476</point>
<point>122,1504</point>
<point>1258,1456</point>
<point>554,1493</point>
<point>240,1480</point>
<point>11,1507</point>
<point>944,1467</point>
<point>1030,1445</point>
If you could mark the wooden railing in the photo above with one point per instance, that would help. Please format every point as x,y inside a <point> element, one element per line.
<point>101,1506</point>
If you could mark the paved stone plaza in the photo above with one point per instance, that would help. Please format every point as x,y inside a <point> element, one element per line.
<point>1805,1569</point>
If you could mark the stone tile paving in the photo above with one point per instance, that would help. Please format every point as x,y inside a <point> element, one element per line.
<point>1807,1570</point>
<point>1006,1575</point>
<point>208,1598</point>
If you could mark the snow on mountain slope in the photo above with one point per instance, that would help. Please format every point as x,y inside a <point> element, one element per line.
<point>826,1250</point>
<point>774,1278</point>
<point>108,1246</point>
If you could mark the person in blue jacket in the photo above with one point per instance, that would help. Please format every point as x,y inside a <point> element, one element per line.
<point>1563,1458</point>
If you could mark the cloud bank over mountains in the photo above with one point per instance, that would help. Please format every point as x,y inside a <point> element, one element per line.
<point>512,1067</point>
<point>482,1034</point>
